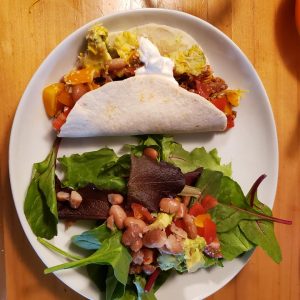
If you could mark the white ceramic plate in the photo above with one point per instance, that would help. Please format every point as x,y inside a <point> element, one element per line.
<point>251,145</point>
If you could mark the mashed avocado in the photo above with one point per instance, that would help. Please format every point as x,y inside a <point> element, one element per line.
<point>162,221</point>
<point>194,257</point>
<point>126,44</point>
<point>191,61</point>
<point>96,54</point>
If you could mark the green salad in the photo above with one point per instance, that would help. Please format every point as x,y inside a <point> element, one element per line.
<point>159,209</point>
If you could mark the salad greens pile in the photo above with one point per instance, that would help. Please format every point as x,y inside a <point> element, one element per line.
<point>243,222</point>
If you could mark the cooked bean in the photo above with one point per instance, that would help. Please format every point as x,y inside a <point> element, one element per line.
<point>115,198</point>
<point>181,211</point>
<point>148,256</point>
<point>132,237</point>
<point>116,64</point>
<point>135,269</point>
<point>186,200</point>
<point>75,199</point>
<point>155,238</point>
<point>151,153</point>
<point>190,226</point>
<point>119,215</point>
<point>79,90</point>
<point>148,269</point>
<point>174,245</point>
<point>169,205</point>
<point>110,223</point>
<point>178,231</point>
<point>63,196</point>
<point>131,220</point>
<point>138,257</point>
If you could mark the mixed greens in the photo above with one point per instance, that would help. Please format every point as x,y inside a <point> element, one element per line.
<point>241,221</point>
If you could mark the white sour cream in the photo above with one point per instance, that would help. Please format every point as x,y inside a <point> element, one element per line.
<point>154,63</point>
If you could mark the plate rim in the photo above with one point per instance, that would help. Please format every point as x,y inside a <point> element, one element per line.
<point>17,117</point>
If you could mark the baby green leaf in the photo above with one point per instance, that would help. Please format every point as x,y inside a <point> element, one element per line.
<point>40,203</point>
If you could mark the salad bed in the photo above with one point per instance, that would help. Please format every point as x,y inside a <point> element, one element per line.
<point>227,222</point>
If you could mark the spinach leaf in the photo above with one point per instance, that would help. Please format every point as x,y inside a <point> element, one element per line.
<point>111,253</point>
<point>40,206</point>
<point>98,274</point>
<point>114,288</point>
<point>103,168</point>
<point>92,239</point>
<point>234,243</point>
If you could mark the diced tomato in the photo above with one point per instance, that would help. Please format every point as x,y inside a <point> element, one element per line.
<point>230,121</point>
<point>61,118</point>
<point>179,223</point>
<point>209,202</point>
<point>210,231</point>
<point>220,103</point>
<point>196,209</point>
<point>141,212</point>
<point>203,89</point>
<point>65,98</point>
<point>200,219</point>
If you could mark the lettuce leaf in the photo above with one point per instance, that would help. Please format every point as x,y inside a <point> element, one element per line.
<point>174,153</point>
<point>103,168</point>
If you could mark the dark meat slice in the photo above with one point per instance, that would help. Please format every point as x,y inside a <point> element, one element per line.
<point>94,205</point>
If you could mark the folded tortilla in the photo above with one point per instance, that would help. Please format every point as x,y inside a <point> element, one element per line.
<point>142,104</point>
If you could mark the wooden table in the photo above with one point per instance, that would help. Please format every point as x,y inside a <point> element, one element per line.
<point>264,30</point>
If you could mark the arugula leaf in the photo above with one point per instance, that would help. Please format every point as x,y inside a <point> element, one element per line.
<point>92,239</point>
<point>40,206</point>
<point>111,253</point>
<point>103,168</point>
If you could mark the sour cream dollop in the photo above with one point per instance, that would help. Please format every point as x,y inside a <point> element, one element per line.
<point>154,63</point>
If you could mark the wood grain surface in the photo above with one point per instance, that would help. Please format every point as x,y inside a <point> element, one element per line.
<point>264,30</point>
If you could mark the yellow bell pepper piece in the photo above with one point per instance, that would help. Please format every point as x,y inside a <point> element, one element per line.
<point>199,220</point>
<point>50,98</point>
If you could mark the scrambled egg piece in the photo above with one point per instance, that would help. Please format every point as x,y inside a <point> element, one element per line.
<point>194,257</point>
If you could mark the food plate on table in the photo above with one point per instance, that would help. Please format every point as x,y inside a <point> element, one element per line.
<point>251,146</point>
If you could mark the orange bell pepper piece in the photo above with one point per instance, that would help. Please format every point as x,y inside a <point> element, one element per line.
<point>52,106</point>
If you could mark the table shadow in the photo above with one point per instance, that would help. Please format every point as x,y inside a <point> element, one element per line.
<point>287,37</point>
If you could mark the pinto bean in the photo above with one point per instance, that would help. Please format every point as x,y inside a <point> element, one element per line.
<point>169,205</point>
<point>115,199</point>
<point>132,237</point>
<point>186,200</point>
<point>110,223</point>
<point>116,64</point>
<point>138,257</point>
<point>63,196</point>
<point>131,220</point>
<point>135,269</point>
<point>181,211</point>
<point>174,245</point>
<point>151,153</point>
<point>178,231</point>
<point>79,90</point>
<point>75,199</point>
<point>119,215</point>
<point>155,238</point>
<point>148,256</point>
<point>148,269</point>
<point>190,226</point>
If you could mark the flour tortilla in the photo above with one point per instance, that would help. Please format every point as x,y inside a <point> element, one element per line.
<point>167,39</point>
<point>141,104</point>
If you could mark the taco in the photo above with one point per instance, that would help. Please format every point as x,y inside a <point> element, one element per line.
<point>149,79</point>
